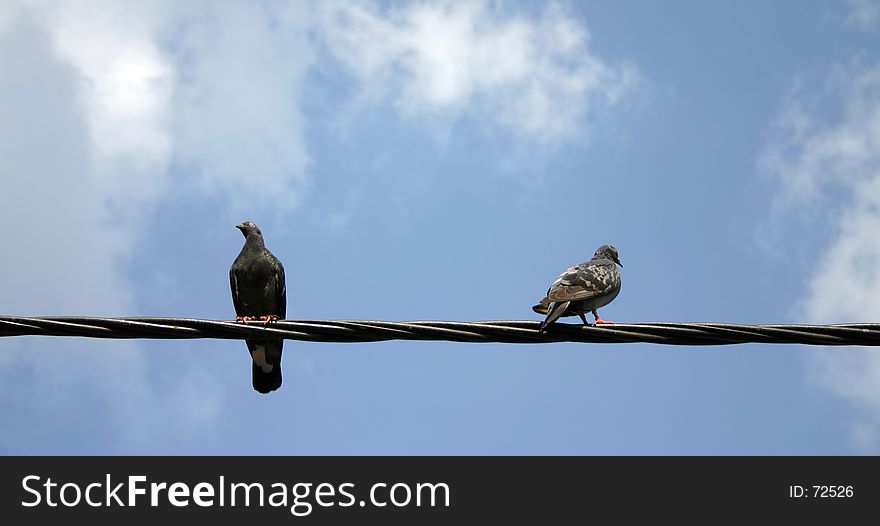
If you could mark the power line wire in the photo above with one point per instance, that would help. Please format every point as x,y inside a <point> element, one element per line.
<point>353,331</point>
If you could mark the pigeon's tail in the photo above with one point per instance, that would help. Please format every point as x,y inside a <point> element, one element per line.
<point>266,370</point>
<point>266,382</point>
<point>555,310</point>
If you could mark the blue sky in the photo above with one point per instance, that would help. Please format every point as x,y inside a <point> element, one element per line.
<point>441,160</point>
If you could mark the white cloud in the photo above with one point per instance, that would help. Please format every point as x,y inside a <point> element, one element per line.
<point>237,117</point>
<point>535,77</point>
<point>831,166</point>
<point>214,88</point>
<point>65,247</point>
<point>126,86</point>
<point>863,14</point>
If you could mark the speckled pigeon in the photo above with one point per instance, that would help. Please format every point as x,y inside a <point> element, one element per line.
<point>259,292</point>
<point>583,288</point>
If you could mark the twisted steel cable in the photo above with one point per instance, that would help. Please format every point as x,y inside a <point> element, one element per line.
<point>352,331</point>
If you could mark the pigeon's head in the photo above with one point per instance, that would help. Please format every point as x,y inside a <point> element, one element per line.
<point>608,252</point>
<point>247,228</point>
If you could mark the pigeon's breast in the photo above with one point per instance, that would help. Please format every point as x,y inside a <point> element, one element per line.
<point>256,289</point>
<point>611,276</point>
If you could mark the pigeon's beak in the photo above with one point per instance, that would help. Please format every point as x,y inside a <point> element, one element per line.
<point>617,260</point>
<point>240,227</point>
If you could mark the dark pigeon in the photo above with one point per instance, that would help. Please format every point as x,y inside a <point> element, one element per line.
<point>259,293</point>
<point>583,288</point>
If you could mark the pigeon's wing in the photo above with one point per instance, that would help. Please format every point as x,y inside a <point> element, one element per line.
<point>280,287</point>
<point>233,285</point>
<point>581,282</point>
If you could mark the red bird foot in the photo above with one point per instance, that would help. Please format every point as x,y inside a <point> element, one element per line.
<point>271,318</point>
<point>600,321</point>
<point>242,319</point>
